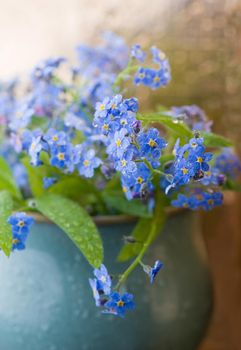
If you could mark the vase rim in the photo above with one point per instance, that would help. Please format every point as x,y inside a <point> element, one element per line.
<point>109,219</point>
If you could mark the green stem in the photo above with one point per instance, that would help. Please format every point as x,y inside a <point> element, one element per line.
<point>122,75</point>
<point>139,256</point>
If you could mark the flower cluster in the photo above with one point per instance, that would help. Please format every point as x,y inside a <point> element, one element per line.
<point>113,302</point>
<point>62,153</point>
<point>191,170</point>
<point>132,150</point>
<point>191,163</point>
<point>20,223</point>
<point>153,271</point>
<point>198,200</point>
<point>80,127</point>
<point>153,78</point>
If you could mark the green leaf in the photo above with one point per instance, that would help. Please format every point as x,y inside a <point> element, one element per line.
<point>116,200</point>
<point>7,181</point>
<point>77,189</point>
<point>6,208</point>
<point>35,177</point>
<point>214,140</point>
<point>39,122</point>
<point>232,186</point>
<point>76,223</point>
<point>141,232</point>
<point>176,126</point>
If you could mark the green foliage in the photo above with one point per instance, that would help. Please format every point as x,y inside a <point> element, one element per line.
<point>35,177</point>
<point>213,140</point>
<point>116,200</point>
<point>39,122</point>
<point>142,230</point>
<point>76,223</point>
<point>174,126</point>
<point>7,181</point>
<point>75,188</point>
<point>232,186</point>
<point>6,208</point>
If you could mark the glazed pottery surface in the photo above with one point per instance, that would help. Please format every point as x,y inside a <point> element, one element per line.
<point>46,302</point>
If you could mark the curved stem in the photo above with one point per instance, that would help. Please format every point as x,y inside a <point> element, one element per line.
<point>139,256</point>
<point>122,75</point>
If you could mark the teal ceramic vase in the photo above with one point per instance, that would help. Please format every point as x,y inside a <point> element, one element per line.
<point>46,302</point>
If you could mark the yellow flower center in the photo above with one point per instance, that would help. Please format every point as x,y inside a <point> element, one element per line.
<point>15,241</point>
<point>156,79</point>
<point>55,138</point>
<point>21,223</point>
<point>139,180</point>
<point>124,189</point>
<point>120,303</point>
<point>141,75</point>
<point>210,201</point>
<point>103,279</point>
<point>86,162</point>
<point>199,159</point>
<point>106,127</point>
<point>123,162</point>
<point>113,106</point>
<point>118,142</point>
<point>33,146</point>
<point>152,143</point>
<point>184,171</point>
<point>61,156</point>
<point>194,145</point>
<point>102,107</point>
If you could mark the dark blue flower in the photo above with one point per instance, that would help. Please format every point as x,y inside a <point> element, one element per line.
<point>144,76</point>
<point>183,172</point>
<point>153,271</point>
<point>183,201</point>
<point>131,104</point>
<point>151,143</point>
<point>49,181</point>
<point>62,156</point>
<point>211,200</point>
<point>199,159</point>
<point>118,304</point>
<point>20,223</point>
<point>198,199</point>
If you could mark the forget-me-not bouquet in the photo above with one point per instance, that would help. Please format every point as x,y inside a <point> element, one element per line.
<point>76,144</point>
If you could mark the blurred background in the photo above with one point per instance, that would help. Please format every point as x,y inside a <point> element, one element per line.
<point>202,39</point>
